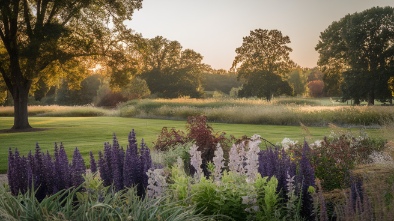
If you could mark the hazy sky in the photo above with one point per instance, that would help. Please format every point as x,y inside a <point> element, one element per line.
<point>215,28</point>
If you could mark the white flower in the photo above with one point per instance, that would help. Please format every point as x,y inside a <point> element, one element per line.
<point>196,161</point>
<point>252,161</point>
<point>287,143</point>
<point>317,143</point>
<point>156,183</point>
<point>236,158</point>
<point>218,161</point>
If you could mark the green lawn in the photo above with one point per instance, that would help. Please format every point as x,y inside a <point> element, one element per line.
<point>89,133</point>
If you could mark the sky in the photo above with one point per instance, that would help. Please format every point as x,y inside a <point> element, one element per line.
<point>215,28</point>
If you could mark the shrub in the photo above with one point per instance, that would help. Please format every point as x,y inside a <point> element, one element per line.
<point>168,139</point>
<point>111,99</point>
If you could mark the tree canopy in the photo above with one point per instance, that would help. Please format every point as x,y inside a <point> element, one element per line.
<point>170,71</point>
<point>360,45</point>
<point>39,35</point>
<point>263,52</point>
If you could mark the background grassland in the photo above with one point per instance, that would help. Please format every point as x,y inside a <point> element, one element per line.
<point>311,112</point>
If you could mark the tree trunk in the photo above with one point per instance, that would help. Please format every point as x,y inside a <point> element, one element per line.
<point>21,120</point>
<point>371,98</point>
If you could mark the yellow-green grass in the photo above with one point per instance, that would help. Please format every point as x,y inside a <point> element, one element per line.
<point>90,133</point>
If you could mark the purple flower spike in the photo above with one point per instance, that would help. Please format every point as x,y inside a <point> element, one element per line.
<point>93,165</point>
<point>78,168</point>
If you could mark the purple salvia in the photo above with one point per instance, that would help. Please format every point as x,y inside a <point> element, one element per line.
<point>132,167</point>
<point>40,183</point>
<point>49,174</point>
<point>30,168</point>
<point>104,170</point>
<point>132,139</point>
<point>17,173</point>
<point>11,171</point>
<point>78,168</point>
<point>62,170</point>
<point>24,174</point>
<point>115,164</point>
<point>108,160</point>
<point>93,165</point>
<point>146,163</point>
<point>306,176</point>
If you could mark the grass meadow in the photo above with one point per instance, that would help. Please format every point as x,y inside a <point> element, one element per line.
<point>88,127</point>
<point>89,133</point>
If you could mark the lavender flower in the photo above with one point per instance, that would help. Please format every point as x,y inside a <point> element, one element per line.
<point>49,173</point>
<point>62,170</point>
<point>117,160</point>
<point>306,176</point>
<point>146,162</point>
<point>93,165</point>
<point>77,169</point>
<point>17,172</point>
<point>104,170</point>
<point>132,166</point>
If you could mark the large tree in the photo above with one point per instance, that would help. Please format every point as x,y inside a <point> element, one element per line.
<point>41,34</point>
<point>263,52</point>
<point>362,43</point>
<point>170,71</point>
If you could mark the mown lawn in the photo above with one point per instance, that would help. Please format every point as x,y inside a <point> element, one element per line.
<point>89,133</point>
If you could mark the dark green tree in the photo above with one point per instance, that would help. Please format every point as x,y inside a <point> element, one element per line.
<point>265,84</point>
<point>169,71</point>
<point>263,52</point>
<point>38,35</point>
<point>362,43</point>
<point>84,94</point>
<point>297,81</point>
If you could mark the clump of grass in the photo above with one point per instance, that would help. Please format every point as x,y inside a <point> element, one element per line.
<point>62,111</point>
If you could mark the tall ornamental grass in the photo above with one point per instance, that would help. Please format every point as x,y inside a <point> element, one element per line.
<point>258,112</point>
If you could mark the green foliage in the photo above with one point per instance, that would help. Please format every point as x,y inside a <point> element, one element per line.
<point>54,36</point>
<point>264,84</point>
<point>81,96</point>
<point>169,71</point>
<point>96,203</point>
<point>360,45</point>
<point>263,50</point>
<point>136,89</point>
<point>297,81</point>
<point>267,199</point>
<point>222,198</point>
<point>180,182</point>
<point>220,82</point>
